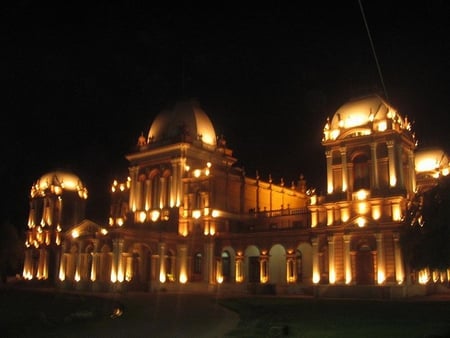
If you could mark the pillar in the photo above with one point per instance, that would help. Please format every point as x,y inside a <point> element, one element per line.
<point>62,262</point>
<point>162,266</point>
<point>315,260</point>
<point>182,263</point>
<point>209,263</point>
<point>400,174</point>
<point>399,270</point>
<point>373,148</point>
<point>331,263</point>
<point>93,272</point>
<point>117,274</point>
<point>264,268</point>
<point>328,154</point>
<point>347,260</point>
<point>133,176</point>
<point>391,159</point>
<point>411,170</point>
<point>344,169</point>
<point>380,259</point>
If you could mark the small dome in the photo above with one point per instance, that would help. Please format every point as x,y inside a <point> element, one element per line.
<point>186,121</point>
<point>57,181</point>
<point>363,116</point>
<point>432,160</point>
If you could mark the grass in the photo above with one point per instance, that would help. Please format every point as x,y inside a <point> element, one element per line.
<point>25,313</point>
<point>294,317</point>
<point>32,313</point>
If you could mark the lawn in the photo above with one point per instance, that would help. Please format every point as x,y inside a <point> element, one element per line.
<point>294,317</point>
<point>26,313</point>
<point>32,313</point>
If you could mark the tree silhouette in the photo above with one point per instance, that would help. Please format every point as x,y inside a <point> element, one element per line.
<point>426,236</point>
<point>11,251</point>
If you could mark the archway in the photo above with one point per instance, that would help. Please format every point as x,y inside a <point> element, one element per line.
<point>252,263</point>
<point>364,261</point>
<point>304,263</point>
<point>277,264</point>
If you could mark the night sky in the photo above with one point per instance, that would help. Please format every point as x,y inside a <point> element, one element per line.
<point>80,84</point>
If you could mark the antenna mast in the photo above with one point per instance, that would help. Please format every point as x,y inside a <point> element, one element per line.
<point>373,49</point>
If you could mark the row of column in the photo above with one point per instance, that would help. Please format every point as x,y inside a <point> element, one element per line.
<point>395,167</point>
<point>380,259</point>
<point>151,194</point>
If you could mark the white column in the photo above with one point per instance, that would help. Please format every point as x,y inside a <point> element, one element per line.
<point>331,266</point>
<point>399,270</point>
<point>182,263</point>
<point>315,260</point>
<point>330,185</point>
<point>373,148</point>
<point>93,272</point>
<point>133,176</point>
<point>344,169</point>
<point>380,258</point>
<point>412,170</point>
<point>162,259</point>
<point>347,260</point>
<point>162,192</point>
<point>400,174</point>
<point>117,260</point>
<point>391,159</point>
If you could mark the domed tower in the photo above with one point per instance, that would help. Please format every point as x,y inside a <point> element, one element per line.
<point>369,151</point>
<point>57,202</point>
<point>369,145</point>
<point>169,173</point>
<point>431,163</point>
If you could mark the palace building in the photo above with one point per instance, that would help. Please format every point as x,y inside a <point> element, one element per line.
<point>186,216</point>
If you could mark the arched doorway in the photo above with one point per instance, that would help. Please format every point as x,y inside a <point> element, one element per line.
<point>304,263</point>
<point>226,266</point>
<point>277,264</point>
<point>364,262</point>
<point>252,256</point>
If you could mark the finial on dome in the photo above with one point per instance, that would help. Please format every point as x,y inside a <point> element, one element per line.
<point>141,140</point>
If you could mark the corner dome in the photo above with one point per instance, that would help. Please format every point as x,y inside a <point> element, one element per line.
<point>186,121</point>
<point>363,116</point>
<point>57,181</point>
<point>432,160</point>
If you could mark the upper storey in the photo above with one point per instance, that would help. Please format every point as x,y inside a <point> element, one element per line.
<point>364,116</point>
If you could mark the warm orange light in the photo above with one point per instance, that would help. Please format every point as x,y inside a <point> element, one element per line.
<point>196,214</point>
<point>361,222</point>
<point>154,215</point>
<point>376,212</point>
<point>142,216</point>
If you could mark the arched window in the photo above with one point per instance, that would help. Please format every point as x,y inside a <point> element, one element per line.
<point>361,172</point>
<point>156,191</point>
<point>198,263</point>
<point>170,266</point>
<point>226,265</point>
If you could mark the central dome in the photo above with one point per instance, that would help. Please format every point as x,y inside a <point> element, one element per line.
<point>186,121</point>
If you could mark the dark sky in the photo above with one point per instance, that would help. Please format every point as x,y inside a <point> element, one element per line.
<point>81,83</point>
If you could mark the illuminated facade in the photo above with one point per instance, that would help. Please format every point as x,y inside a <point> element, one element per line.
<point>186,215</point>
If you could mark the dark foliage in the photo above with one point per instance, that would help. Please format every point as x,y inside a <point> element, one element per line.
<point>427,228</point>
<point>11,251</point>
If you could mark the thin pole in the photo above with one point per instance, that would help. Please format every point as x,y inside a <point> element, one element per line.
<point>373,49</point>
